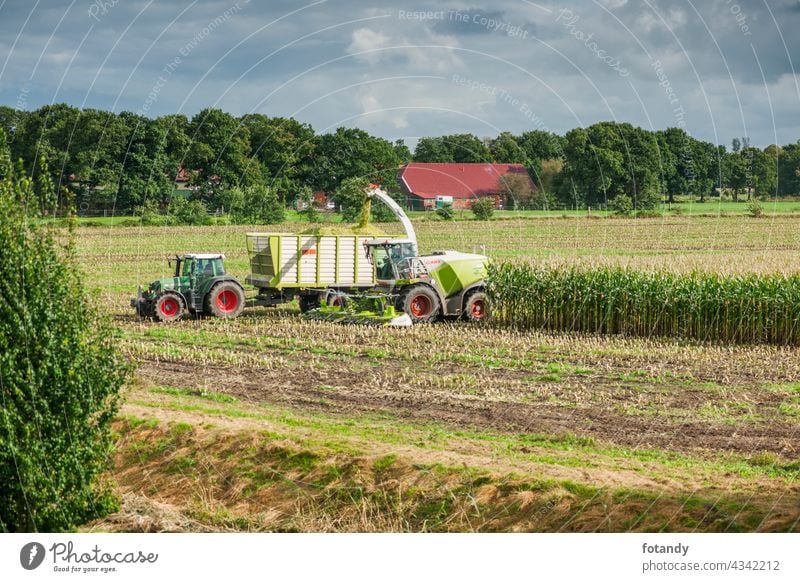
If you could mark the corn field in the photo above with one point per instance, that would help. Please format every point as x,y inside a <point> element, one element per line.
<point>745,308</point>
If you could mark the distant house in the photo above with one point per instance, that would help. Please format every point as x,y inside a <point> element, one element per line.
<point>320,199</point>
<point>182,180</point>
<point>423,183</point>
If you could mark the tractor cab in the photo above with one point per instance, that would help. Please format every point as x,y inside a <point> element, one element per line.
<point>395,259</point>
<point>206,265</point>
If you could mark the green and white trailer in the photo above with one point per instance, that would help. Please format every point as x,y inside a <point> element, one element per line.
<point>311,267</point>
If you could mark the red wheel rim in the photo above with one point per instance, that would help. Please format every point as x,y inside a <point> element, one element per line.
<point>478,309</point>
<point>169,307</point>
<point>227,301</point>
<point>420,306</point>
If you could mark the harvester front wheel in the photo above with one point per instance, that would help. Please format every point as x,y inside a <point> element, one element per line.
<point>226,300</point>
<point>168,308</point>
<point>476,307</point>
<point>337,299</point>
<point>420,303</point>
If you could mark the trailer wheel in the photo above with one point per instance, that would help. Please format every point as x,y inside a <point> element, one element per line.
<point>476,307</point>
<point>168,308</point>
<point>420,302</point>
<point>308,302</point>
<point>225,300</point>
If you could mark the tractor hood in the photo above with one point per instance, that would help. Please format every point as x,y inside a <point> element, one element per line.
<point>165,284</point>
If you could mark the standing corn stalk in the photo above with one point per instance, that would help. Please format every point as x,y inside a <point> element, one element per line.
<point>749,308</point>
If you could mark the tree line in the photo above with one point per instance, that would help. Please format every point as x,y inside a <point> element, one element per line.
<point>253,164</point>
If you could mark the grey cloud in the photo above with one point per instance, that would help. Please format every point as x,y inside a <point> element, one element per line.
<point>576,84</point>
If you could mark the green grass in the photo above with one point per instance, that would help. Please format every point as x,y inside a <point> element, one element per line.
<point>213,396</point>
<point>324,480</point>
<point>712,207</point>
<point>333,432</point>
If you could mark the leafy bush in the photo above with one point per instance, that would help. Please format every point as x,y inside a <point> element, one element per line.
<point>309,212</point>
<point>150,213</point>
<point>263,205</point>
<point>755,209</point>
<point>445,212</point>
<point>541,200</point>
<point>483,208</point>
<point>648,202</point>
<point>185,211</point>
<point>253,205</point>
<point>61,374</point>
<point>621,205</point>
<point>382,213</point>
<point>351,197</point>
<point>231,200</point>
<point>180,211</point>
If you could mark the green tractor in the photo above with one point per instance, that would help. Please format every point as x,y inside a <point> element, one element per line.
<point>199,287</point>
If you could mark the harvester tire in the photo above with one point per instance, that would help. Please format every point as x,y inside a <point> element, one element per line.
<point>225,300</point>
<point>476,307</point>
<point>337,300</point>
<point>420,303</point>
<point>168,308</point>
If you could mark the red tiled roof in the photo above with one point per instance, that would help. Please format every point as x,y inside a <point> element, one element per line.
<point>456,180</point>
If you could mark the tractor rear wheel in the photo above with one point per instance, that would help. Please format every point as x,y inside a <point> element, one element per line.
<point>476,307</point>
<point>226,300</point>
<point>168,308</point>
<point>420,303</point>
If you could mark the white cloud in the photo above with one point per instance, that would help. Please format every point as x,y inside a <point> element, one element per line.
<point>648,20</point>
<point>439,60</point>
<point>366,44</point>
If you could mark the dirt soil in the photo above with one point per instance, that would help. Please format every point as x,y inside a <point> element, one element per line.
<point>377,389</point>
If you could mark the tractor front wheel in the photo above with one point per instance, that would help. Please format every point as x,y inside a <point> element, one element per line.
<point>476,307</point>
<point>225,300</point>
<point>168,308</point>
<point>420,303</point>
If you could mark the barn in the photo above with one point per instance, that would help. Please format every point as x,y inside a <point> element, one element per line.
<point>422,183</point>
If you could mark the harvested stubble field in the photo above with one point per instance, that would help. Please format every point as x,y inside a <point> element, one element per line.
<point>272,423</point>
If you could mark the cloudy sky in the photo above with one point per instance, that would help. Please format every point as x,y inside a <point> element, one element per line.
<point>718,68</point>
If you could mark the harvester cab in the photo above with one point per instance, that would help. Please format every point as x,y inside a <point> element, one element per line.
<point>198,286</point>
<point>394,259</point>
